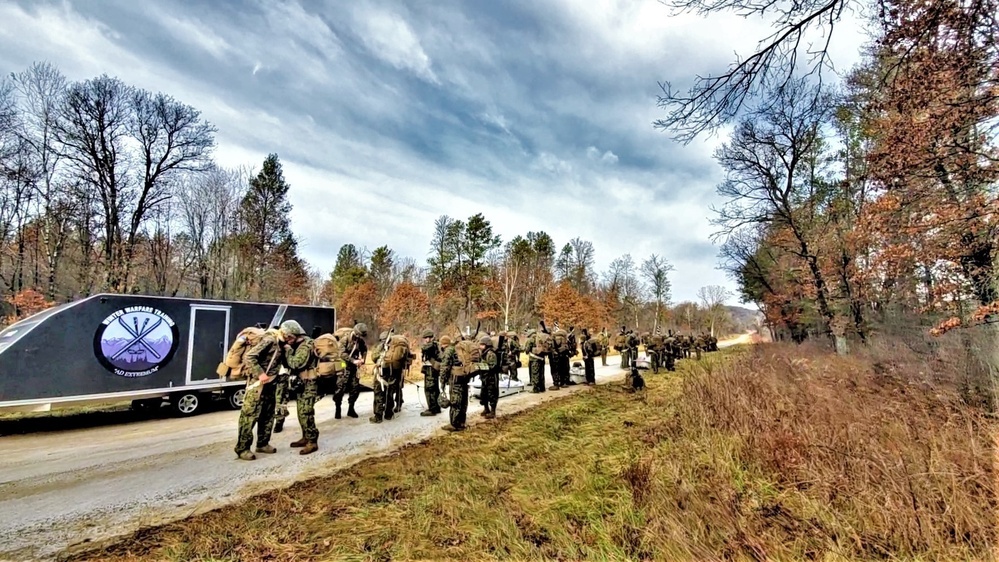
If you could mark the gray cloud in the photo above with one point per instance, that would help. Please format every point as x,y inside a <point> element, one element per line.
<point>388,114</point>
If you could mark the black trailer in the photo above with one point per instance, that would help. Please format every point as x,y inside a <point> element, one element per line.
<point>110,348</point>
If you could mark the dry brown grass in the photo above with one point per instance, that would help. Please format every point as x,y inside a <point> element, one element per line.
<point>772,454</point>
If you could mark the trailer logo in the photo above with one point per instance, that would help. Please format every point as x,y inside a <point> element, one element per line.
<point>136,341</point>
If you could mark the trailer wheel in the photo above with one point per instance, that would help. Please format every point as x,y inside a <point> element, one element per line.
<point>235,398</point>
<point>186,403</point>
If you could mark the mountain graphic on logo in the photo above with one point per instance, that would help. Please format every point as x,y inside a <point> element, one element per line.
<point>137,357</point>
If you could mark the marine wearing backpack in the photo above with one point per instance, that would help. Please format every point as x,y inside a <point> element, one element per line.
<point>245,340</point>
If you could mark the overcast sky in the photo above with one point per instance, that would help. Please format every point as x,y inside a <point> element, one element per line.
<point>385,115</point>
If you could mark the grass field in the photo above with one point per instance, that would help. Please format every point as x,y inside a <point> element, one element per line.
<point>763,454</point>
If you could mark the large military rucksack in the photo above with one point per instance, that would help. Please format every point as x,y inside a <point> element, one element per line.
<point>561,342</point>
<point>327,349</point>
<point>233,363</point>
<point>341,333</point>
<point>397,355</point>
<point>620,342</point>
<point>470,355</point>
<point>542,344</point>
<point>656,340</point>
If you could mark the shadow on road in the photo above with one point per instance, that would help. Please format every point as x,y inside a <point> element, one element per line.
<point>23,424</point>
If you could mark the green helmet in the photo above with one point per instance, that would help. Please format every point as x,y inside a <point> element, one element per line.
<point>383,335</point>
<point>292,328</point>
<point>361,330</point>
<point>428,333</point>
<point>486,341</point>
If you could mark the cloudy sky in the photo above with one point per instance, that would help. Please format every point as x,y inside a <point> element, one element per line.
<point>388,114</point>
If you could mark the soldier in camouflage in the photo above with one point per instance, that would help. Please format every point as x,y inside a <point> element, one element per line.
<point>430,354</point>
<point>489,375</point>
<point>591,348</point>
<point>604,347</point>
<point>457,384</point>
<point>386,383</point>
<point>535,362</point>
<point>261,363</point>
<point>513,355</point>
<point>301,361</point>
<point>353,351</point>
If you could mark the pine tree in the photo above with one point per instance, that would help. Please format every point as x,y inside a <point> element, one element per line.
<point>265,213</point>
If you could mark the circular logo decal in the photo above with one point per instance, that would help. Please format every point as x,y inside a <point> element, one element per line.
<point>136,341</point>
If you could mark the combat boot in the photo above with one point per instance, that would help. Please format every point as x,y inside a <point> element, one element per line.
<point>450,427</point>
<point>375,419</point>
<point>554,387</point>
<point>279,426</point>
<point>266,449</point>
<point>428,413</point>
<point>337,415</point>
<point>490,415</point>
<point>350,411</point>
<point>309,448</point>
<point>300,443</point>
<point>246,456</point>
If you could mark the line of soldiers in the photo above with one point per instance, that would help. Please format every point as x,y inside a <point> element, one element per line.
<point>285,359</point>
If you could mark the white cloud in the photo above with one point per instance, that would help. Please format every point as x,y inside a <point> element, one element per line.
<point>389,38</point>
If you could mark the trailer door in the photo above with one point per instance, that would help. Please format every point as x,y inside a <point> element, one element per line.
<point>206,344</point>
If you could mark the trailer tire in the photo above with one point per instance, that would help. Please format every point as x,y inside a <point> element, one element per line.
<point>187,403</point>
<point>234,398</point>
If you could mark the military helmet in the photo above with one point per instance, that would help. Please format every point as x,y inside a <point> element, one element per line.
<point>428,333</point>
<point>445,341</point>
<point>361,330</point>
<point>292,328</point>
<point>383,335</point>
<point>486,340</point>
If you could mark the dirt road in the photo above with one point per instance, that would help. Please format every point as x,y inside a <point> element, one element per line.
<point>65,490</point>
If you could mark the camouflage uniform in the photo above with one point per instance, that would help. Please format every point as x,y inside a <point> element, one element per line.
<point>604,346</point>
<point>386,388</point>
<point>590,350</point>
<point>430,354</point>
<point>282,392</point>
<point>258,403</point>
<point>625,355</point>
<point>352,349</point>
<point>535,362</point>
<point>631,350</point>
<point>489,375</point>
<point>513,355</point>
<point>458,386</point>
<point>301,361</point>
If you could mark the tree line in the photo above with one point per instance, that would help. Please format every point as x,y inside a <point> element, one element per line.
<point>108,187</point>
<point>872,203</point>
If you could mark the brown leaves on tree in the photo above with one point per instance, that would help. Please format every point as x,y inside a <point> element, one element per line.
<point>25,303</point>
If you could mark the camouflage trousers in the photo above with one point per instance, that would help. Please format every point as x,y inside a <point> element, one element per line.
<point>459,401</point>
<point>399,383</point>
<point>669,361</point>
<point>347,383</point>
<point>489,393</point>
<point>603,358</point>
<point>432,389</point>
<point>306,406</point>
<point>258,408</point>
<point>625,359</point>
<point>281,395</point>
<point>536,369</point>
<point>590,370</point>
<point>654,359</point>
<point>385,396</point>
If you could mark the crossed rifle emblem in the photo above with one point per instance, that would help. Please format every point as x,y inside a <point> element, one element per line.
<point>138,335</point>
